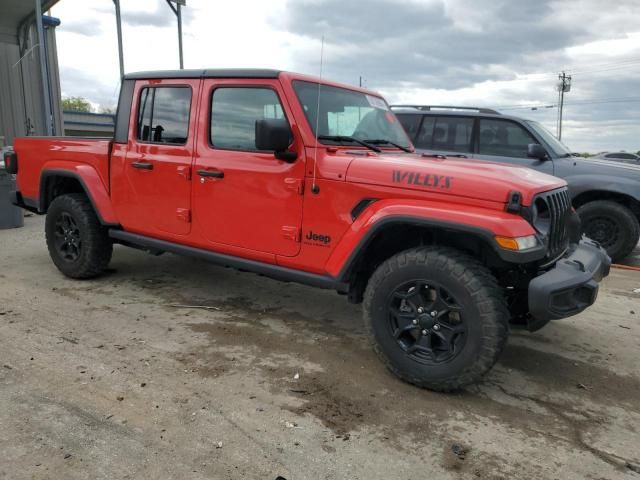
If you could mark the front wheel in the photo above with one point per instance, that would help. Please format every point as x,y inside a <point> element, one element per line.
<point>612,225</point>
<point>436,317</point>
<point>78,244</point>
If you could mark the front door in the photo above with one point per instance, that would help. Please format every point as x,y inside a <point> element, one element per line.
<point>244,197</point>
<point>506,141</point>
<point>153,193</point>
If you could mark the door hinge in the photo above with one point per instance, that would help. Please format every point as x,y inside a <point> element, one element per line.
<point>291,233</point>
<point>184,214</point>
<point>295,184</point>
<point>184,171</point>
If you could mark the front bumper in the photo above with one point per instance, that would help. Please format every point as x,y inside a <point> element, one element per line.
<point>570,286</point>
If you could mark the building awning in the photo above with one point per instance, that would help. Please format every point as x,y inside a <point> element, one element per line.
<point>17,12</point>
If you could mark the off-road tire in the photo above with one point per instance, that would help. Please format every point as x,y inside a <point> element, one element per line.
<point>606,211</point>
<point>95,247</point>
<point>475,289</point>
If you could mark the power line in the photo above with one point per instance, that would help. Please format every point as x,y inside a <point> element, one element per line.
<point>575,69</point>
<point>588,102</point>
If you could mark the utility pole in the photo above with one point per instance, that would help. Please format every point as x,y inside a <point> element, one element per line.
<point>564,86</point>
<point>42,54</point>
<point>178,12</point>
<point>119,29</point>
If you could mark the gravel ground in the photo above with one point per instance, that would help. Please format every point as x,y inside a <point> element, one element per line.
<point>109,379</point>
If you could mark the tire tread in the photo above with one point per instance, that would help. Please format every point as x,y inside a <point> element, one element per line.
<point>484,289</point>
<point>100,247</point>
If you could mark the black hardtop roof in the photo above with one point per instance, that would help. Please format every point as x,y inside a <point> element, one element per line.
<point>206,73</point>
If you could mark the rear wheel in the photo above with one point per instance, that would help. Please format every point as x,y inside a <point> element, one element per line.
<point>612,225</point>
<point>78,244</point>
<point>436,317</point>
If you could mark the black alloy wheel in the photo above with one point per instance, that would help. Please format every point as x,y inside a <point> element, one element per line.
<point>427,322</point>
<point>67,238</point>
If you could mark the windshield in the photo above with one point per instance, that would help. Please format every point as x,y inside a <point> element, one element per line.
<point>345,113</point>
<point>559,148</point>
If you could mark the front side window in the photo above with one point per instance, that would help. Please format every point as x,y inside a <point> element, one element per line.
<point>559,148</point>
<point>346,113</point>
<point>503,138</point>
<point>163,115</point>
<point>234,112</point>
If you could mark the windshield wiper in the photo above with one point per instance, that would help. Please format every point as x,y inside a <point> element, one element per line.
<point>344,138</point>
<point>380,141</point>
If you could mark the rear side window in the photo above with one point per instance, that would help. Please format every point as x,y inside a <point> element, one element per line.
<point>234,111</point>
<point>503,138</point>
<point>163,115</point>
<point>452,134</point>
<point>410,123</point>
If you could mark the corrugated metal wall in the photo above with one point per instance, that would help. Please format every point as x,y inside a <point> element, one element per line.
<point>21,92</point>
<point>12,104</point>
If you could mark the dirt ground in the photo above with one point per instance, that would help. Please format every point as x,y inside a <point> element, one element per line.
<point>109,379</point>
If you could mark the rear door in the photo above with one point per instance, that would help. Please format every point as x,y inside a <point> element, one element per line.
<point>507,141</point>
<point>446,135</point>
<point>244,197</point>
<point>152,191</point>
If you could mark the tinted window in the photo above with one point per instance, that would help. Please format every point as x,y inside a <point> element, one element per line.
<point>410,123</point>
<point>163,114</point>
<point>234,112</point>
<point>503,138</point>
<point>425,135</point>
<point>628,156</point>
<point>452,134</point>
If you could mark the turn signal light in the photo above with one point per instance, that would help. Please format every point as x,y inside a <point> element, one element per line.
<point>517,243</point>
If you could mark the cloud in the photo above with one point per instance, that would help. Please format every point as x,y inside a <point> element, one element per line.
<point>87,29</point>
<point>497,53</point>
<point>156,18</point>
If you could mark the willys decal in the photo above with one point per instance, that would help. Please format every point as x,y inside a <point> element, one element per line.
<point>422,179</point>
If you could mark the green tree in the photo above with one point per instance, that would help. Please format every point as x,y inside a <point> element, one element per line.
<point>107,109</point>
<point>76,104</point>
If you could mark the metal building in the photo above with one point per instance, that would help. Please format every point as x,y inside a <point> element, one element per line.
<point>30,99</point>
<point>88,124</point>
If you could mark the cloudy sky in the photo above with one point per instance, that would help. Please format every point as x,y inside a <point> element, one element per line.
<point>504,54</point>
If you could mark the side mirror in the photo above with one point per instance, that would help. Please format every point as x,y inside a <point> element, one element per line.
<point>535,150</point>
<point>274,134</point>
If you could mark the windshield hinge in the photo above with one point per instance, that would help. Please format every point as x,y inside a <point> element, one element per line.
<point>514,202</point>
<point>295,184</point>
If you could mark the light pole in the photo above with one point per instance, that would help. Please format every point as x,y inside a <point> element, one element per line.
<point>119,29</point>
<point>177,9</point>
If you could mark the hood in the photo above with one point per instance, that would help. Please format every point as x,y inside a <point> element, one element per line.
<point>599,165</point>
<point>465,178</point>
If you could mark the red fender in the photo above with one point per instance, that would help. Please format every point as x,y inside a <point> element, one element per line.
<point>90,179</point>
<point>438,214</point>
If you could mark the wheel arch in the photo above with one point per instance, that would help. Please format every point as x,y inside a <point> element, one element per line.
<point>83,179</point>
<point>394,234</point>
<point>624,199</point>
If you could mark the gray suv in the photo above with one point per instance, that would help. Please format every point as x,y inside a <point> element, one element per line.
<point>606,194</point>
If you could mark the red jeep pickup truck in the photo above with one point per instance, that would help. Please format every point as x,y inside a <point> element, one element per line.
<point>309,181</point>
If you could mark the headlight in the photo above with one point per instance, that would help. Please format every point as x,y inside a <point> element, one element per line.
<point>517,243</point>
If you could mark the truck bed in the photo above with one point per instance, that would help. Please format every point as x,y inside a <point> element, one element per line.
<point>59,153</point>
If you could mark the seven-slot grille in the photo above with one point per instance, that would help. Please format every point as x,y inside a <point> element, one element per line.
<point>551,218</point>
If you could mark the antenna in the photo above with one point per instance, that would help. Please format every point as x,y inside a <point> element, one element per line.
<point>314,185</point>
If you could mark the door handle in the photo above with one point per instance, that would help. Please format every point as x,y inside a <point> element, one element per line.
<point>142,165</point>
<point>211,173</point>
